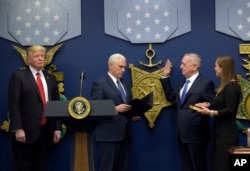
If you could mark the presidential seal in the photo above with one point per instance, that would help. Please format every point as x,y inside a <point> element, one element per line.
<point>79,108</point>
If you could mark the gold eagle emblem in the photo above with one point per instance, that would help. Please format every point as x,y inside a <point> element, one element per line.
<point>49,55</point>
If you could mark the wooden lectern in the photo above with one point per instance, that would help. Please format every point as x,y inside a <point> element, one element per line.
<point>100,109</point>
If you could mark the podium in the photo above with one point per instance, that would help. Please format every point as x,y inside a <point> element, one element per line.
<point>239,158</point>
<point>99,109</point>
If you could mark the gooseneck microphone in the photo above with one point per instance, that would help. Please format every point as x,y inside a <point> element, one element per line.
<point>82,77</point>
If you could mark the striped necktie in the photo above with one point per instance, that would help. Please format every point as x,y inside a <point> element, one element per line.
<point>121,90</point>
<point>184,92</point>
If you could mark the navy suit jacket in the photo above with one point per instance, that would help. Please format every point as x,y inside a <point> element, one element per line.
<point>192,126</point>
<point>25,104</point>
<point>114,129</point>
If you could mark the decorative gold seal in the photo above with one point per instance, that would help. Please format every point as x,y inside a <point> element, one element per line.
<point>145,82</point>
<point>244,106</point>
<point>79,108</point>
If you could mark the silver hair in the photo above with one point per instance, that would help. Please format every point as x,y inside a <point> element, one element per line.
<point>194,59</point>
<point>114,57</point>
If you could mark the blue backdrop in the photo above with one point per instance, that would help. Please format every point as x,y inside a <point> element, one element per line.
<point>152,149</point>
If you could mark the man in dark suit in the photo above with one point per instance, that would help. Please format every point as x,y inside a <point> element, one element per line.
<point>112,136</point>
<point>193,128</point>
<point>31,133</point>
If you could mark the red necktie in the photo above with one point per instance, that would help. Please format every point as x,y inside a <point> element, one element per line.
<point>41,90</point>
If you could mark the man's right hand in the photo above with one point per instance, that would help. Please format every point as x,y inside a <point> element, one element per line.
<point>20,136</point>
<point>167,68</point>
<point>123,108</point>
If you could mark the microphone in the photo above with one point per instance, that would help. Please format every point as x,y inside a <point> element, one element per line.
<point>82,77</point>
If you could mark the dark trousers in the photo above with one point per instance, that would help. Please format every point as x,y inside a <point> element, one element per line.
<point>113,156</point>
<point>193,156</point>
<point>32,156</point>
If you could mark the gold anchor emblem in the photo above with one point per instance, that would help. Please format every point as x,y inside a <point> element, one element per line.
<point>150,53</point>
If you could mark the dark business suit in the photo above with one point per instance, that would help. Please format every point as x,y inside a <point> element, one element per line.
<point>26,110</point>
<point>111,135</point>
<point>192,127</point>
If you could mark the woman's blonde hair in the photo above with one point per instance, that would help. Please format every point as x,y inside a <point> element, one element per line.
<point>228,73</point>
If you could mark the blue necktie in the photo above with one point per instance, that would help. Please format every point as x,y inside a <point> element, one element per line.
<point>121,90</point>
<point>184,92</point>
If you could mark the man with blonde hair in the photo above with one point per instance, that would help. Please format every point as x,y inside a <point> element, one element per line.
<point>29,90</point>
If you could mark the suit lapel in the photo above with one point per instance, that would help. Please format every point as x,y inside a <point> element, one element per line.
<point>113,86</point>
<point>32,81</point>
<point>194,86</point>
<point>48,82</point>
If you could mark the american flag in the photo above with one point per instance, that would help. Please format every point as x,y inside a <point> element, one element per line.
<point>147,21</point>
<point>44,22</point>
<point>239,19</point>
